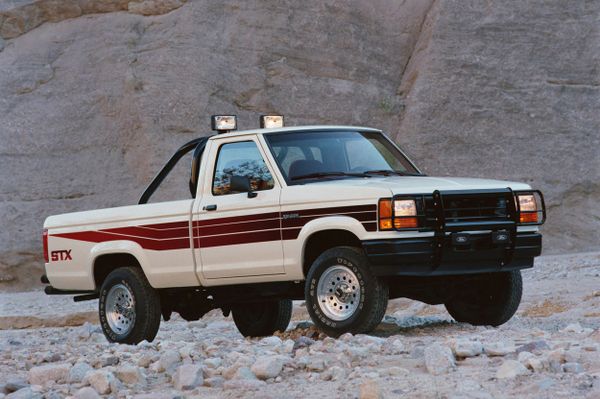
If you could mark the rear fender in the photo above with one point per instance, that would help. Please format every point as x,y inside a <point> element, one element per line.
<point>117,247</point>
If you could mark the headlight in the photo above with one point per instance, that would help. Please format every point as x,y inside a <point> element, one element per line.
<point>404,215</point>
<point>405,208</point>
<point>528,208</point>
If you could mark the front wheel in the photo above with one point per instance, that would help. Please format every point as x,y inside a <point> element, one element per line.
<point>342,295</point>
<point>491,300</point>
<point>129,308</point>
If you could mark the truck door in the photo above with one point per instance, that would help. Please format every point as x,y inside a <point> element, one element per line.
<point>238,233</point>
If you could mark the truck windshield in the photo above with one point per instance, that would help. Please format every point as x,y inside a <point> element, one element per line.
<point>306,157</point>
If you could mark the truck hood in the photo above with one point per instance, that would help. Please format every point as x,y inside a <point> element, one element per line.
<point>426,184</point>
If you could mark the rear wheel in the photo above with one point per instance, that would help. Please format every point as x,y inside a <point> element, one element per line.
<point>129,308</point>
<point>262,318</point>
<point>491,300</point>
<point>342,295</point>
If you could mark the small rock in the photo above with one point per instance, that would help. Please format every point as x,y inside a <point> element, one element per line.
<point>464,348</point>
<point>187,377</point>
<point>573,355</point>
<point>108,360</point>
<point>501,348</point>
<point>168,360</point>
<point>316,364</point>
<point>14,385</point>
<point>525,356</point>
<point>511,369</point>
<point>334,373</point>
<point>214,382</point>
<point>50,372</point>
<point>78,372</point>
<point>572,367</point>
<point>439,359</point>
<point>87,393</point>
<point>553,360</point>
<point>1,44</point>
<point>304,325</point>
<point>102,381</point>
<point>573,328</point>
<point>144,361</point>
<point>534,347</point>
<point>244,373</point>
<point>394,347</point>
<point>86,330</point>
<point>267,367</point>
<point>128,374</point>
<point>370,390</point>
<point>249,385</point>
<point>213,362</point>
<point>24,393</point>
<point>302,342</point>
<point>270,341</point>
<point>396,371</point>
<point>417,352</point>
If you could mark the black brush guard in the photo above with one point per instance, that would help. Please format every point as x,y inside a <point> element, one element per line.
<point>474,231</point>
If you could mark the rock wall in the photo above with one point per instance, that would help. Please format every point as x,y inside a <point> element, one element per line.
<point>92,104</point>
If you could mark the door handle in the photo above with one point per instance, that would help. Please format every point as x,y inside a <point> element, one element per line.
<point>210,207</point>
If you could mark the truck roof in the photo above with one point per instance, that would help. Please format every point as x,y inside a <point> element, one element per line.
<point>293,129</point>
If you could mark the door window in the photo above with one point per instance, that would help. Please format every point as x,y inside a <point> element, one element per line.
<point>241,159</point>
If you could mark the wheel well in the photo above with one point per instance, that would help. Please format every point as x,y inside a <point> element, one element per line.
<point>104,264</point>
<point>321,241</point>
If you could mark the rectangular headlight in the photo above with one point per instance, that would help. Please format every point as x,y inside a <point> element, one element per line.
<point>528,208</point>
<point>271,121</point>
<point>223,123</point>
<point>405,214</point>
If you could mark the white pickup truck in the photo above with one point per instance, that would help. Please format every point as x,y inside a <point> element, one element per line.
<point>335,215</point>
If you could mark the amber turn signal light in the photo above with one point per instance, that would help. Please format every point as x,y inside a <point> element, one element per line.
<point>528,217</point>
<point>406,223</point>
<point>385,214</point>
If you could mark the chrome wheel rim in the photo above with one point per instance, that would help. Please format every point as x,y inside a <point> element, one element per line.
<point>338,292</point>
<point>120,309</point>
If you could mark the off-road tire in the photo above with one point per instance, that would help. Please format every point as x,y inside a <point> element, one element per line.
<point>146,305</point>
<point>374,293</point>
<point>492,301</point>
<point>261,319</point>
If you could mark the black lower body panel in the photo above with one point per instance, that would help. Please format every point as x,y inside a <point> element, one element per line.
<point>431,256</point>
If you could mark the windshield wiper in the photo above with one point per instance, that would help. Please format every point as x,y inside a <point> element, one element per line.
<point>318,175</point>
<point>389,172</point>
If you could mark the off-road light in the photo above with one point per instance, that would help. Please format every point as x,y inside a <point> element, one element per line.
<point>528,208</point>
<point>223,123</point>
<point>271,121</point>
<point>405,214</point>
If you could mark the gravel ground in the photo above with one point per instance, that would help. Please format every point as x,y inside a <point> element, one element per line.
<point>550,349</point>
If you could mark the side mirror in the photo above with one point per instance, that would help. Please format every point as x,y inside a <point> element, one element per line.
<point>241,184</point>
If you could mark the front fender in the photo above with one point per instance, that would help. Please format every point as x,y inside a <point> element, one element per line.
<point>332,223</point>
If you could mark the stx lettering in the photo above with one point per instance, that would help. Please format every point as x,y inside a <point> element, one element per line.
<point>63,254</point>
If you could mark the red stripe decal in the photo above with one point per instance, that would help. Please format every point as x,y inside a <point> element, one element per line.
<point>146,243</point>
<point>247,229</point>
<point>243,227</point>
<point>237,219</point>
<point>243,238</point>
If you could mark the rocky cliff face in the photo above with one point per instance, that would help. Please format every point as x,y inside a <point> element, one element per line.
<point>95,95</point>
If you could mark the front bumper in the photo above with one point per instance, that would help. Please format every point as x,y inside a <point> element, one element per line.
<point>434,256</point>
